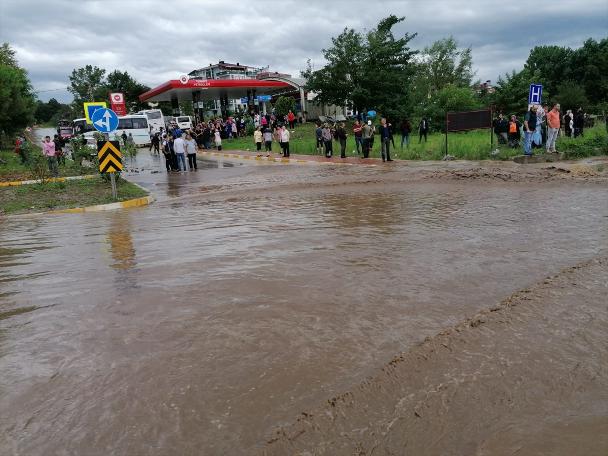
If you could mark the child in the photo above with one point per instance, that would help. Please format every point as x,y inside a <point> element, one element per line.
<point>218,139</point>
<point>257,138</point>
<point>268,141</point>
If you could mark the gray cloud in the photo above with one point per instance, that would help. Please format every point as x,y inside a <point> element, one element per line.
<point>157,40</point>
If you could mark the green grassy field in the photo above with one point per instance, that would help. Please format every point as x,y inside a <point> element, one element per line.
<point>473,145</point>
<point>11,168</point>
<point>63,195</point>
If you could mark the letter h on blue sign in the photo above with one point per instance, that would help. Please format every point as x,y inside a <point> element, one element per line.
<point>536,92</point>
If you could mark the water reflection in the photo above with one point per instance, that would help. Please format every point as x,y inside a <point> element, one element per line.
<point>174,185</point>
<point>120,242</point>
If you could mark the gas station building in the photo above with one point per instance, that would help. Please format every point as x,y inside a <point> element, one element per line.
<point>229,86</point>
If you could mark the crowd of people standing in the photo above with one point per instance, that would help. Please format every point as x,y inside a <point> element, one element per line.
<point>364,132</point>
<point>179,147</point>
<point>540,128</point>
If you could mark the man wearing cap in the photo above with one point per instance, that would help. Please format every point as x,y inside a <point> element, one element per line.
<point>553,124</point>
<point>529,128</point>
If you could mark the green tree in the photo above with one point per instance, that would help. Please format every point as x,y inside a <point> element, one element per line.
<point>366,72</point>
<point>571,96</point>
<point>42,113</point>
<point>551,63</point>
<point>439,66</point>
<point>7,56</point>
<point>511,96</point>
<point>387,69</point>
<point>87,84</point>
<point>336,82</point>
<point>119,81</point>
<point>451,98</point>
<point>52,111</point>
<point>589,66</point>
<point>45,111</point>
<point>186,108</point>
<point>283,105</point>
<point>443,64</point>
<point>17,100</point>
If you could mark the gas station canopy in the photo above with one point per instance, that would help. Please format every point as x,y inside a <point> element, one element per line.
<point>213,89</point>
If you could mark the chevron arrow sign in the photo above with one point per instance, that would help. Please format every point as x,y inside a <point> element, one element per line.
<point>110,158</point>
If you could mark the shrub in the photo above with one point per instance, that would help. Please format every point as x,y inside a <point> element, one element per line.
<point>80,151</point>
<point>38,164</point>
<point>283,106</point>
<point>586,146</point>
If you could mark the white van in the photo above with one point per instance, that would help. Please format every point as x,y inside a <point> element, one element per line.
<point>156,120</point>
<point>138,127</point>
<point>135,124</point>
<point>183,122</point>
<point>81,126</point>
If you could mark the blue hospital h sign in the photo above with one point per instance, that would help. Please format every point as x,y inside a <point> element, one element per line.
<point>536,94</point>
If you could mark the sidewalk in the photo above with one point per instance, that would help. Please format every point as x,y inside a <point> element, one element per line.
<point>293,159</point>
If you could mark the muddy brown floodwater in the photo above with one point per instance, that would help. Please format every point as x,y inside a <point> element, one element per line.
<point>223,318</point>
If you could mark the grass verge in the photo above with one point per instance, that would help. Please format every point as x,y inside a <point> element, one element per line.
<point>11,168</point>
<point>472,145</point>
<point>64,195</point>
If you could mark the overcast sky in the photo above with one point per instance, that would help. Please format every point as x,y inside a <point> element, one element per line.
<point>156,40</point>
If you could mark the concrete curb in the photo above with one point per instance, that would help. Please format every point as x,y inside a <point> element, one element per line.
<point>52,179</point>
<point>136,202</point>
<point>277,160</point>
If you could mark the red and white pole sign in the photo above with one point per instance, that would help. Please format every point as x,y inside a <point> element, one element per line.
<point>117,100</point>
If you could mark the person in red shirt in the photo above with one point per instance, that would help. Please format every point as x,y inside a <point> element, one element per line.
<point>19,151</point>
<point>291,118</point>
<point>553,124</point>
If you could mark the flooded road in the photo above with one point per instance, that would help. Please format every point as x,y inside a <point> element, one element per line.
<point>249,293</point>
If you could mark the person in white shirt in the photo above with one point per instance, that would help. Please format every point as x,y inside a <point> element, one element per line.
<point>179,146</point>
<point>217,136</point>
<point>190,144</point>
<point>284,138</point>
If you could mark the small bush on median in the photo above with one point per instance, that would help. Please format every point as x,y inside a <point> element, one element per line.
<point>39,166</point>
<point>80,151</point>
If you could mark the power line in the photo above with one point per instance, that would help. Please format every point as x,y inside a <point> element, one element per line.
<point>49,90</point>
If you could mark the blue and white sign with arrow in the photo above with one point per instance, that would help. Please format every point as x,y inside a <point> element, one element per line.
<point>105,120</point>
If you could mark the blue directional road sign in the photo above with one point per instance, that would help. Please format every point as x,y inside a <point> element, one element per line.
<point>90,107</point>
<point>536,94</point>
<point>244,100</point>
<point>264,98</point>
<point>105,120</point>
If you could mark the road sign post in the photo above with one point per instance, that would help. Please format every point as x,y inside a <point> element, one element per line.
<point>113,184</point>
<point>104,120</point>
<point>110,160</point>
<point>535,95</point>
<point>90,108</point>
<point>108,152</point>
<point>117,101</point>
